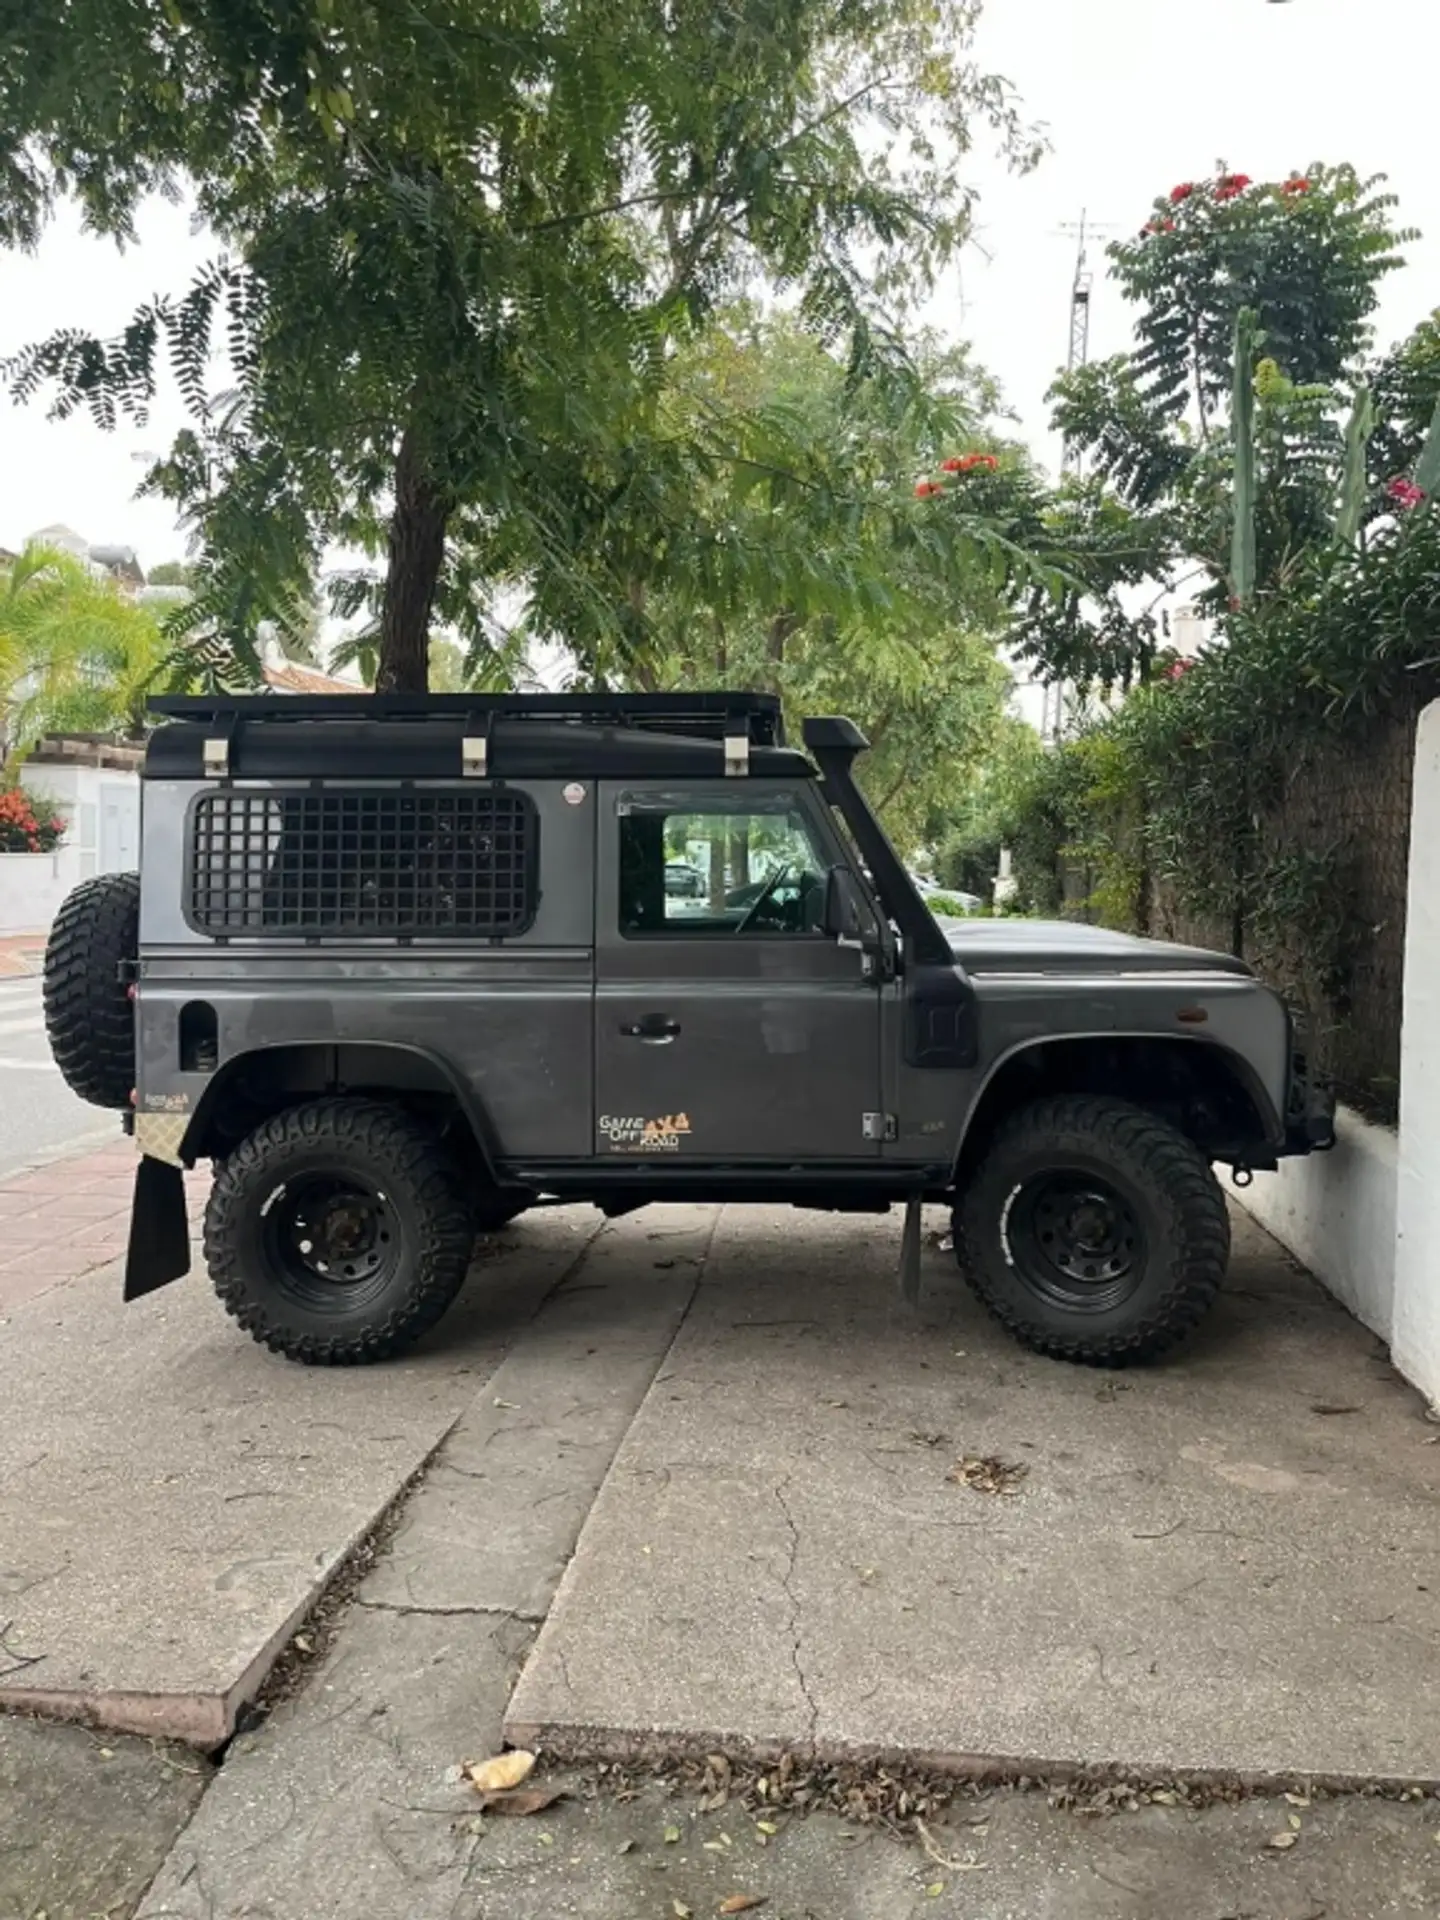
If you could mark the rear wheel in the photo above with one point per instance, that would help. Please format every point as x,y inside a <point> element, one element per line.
<point>1094,1231</point>
<point>338,1232</point>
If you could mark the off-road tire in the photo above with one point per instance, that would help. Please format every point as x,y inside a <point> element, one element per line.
<point>88,1013</point>
<point>356,1138</point>
<point>1168,1186</point>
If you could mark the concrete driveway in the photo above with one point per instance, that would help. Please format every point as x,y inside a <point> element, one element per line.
<point>782,1515</point>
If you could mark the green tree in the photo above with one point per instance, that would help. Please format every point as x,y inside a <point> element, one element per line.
<point>1156,512</point>
<point>765,533</point>
<point>171,573</point>
<point>463,242</point>
<point>75,655</point>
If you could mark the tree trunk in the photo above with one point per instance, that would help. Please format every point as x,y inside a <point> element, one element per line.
<point>416,552</point>
<point>781,627</point>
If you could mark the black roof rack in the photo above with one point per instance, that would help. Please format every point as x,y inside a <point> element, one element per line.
<point>702,716</point>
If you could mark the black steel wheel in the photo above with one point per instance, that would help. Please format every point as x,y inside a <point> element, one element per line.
<point>1076,1239</point>
<point>332,1243</point>
<point>338,1232</point>
<point>1093,1230</point>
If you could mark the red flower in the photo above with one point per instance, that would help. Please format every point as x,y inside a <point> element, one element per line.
<point>1178,669</point>
<point>953,465</point>
<point>1231,184</point>
<point>1182,192</point>
<point>1405,493</point>
<point>1167,226</point>
<point>1295,186</point>
<point>927,489</point>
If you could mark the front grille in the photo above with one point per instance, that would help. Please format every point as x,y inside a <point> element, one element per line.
<point>344,862</point>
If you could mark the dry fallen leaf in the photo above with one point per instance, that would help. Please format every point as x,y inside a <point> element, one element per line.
<point>988,1473</point>
<point>672,1834</point>
<point>1298,1799</point>
<point>1281,1842</point>
<point>680,1910</point>
<point>510,1406</point>
<point>767,1826</point>
<point>522,1800</point>
<point>741,1902</point>
<point>1296,1822</point>
<point>505,1770</point>
<point>628,1846</point>
<point>935,1889</point>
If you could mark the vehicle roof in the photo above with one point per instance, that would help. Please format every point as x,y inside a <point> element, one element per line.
<point>429,748</point>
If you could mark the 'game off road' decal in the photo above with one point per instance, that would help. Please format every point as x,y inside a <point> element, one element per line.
<point>633,1133</point>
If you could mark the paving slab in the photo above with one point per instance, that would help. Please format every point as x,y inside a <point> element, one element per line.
<point>1227,1563</point>
<point>175,1496</point>
<point>85,1818</point>
<point>505,1498</point>
<point>347,1801</point>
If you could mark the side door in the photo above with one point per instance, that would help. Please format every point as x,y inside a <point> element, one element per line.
<point>728,1024</point>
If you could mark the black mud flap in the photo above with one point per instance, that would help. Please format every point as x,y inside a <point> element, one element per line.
<point>159,1229</point>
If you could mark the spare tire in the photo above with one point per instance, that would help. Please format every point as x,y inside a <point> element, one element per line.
<point>88,1014</point>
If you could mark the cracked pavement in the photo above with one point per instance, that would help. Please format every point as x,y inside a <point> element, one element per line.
<point>1203,1566</point>
<point>752,1442</point>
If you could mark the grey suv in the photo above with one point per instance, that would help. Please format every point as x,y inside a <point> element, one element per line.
<point>406,967</point>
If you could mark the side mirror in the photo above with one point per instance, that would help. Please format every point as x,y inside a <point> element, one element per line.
<point>847,912</point>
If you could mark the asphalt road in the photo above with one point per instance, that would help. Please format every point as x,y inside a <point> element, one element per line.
<point>39,1116</point>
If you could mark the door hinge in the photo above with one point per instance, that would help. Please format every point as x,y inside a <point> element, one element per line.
<point>879,1126</point>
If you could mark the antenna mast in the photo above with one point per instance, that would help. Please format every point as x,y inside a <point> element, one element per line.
<point>1079,322</point>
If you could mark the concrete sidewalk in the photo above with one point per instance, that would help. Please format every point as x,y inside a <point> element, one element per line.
<point>1226,1563</point>
<point>803,1544</point>
<point>175,1497</point>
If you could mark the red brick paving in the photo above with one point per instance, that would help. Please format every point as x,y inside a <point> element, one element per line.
<point>21,953</point>
<point>62,1221</point>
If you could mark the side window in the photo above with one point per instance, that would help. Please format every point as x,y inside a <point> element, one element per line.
<point>721,872</point>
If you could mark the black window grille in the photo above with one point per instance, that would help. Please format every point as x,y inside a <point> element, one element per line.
<point>337,862</point>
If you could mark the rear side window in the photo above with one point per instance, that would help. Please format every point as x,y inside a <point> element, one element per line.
<point>364,863</point>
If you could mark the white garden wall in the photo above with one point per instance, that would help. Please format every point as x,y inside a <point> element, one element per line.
<point>102,806</point>
<point>1365,1219</point>
<point>1336,1214</point>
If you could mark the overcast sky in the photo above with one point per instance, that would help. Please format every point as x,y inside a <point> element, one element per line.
<point>1137,94</point>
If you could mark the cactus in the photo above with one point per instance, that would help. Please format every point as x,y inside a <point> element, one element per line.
<point>1353,481</point>
<point>1427,468</point>
<point>1242,421</point>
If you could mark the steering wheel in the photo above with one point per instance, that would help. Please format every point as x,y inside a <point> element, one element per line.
<point>780,874</point>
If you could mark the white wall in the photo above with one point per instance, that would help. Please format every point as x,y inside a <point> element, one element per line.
<point>1416,1337</point>
<point>102,807</point>
<point>32,886</point>
<point>1336,1213</point>
<point>1365,1219</point>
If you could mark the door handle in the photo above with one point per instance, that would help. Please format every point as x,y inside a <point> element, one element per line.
<point>655,1030</point>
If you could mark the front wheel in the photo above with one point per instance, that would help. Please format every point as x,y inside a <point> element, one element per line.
<point>1093,1231</point>
<point>338,1232</point>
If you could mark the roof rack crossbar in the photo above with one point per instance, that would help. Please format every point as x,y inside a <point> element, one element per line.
<point>755,718</point>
